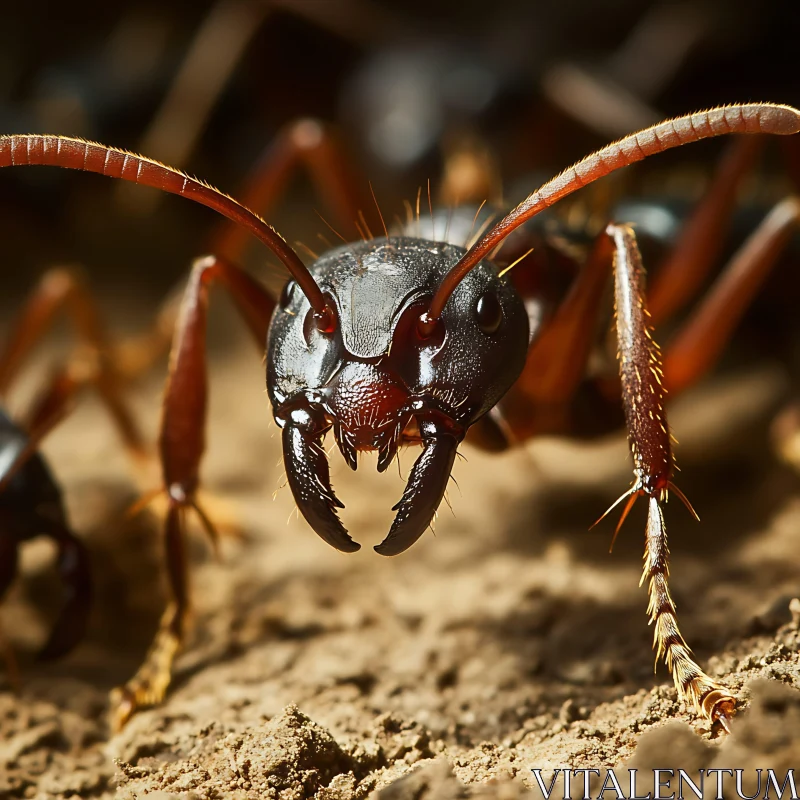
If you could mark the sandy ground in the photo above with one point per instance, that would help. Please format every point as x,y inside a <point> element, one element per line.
<point>508,640</point>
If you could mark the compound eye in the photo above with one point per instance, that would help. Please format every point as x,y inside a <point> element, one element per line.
<point>287,294</point>
<point>323,323</point>
<point>488,312</point>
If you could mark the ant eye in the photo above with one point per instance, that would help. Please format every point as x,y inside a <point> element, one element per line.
<point>287,294</point>
<point>488,312</point>
<point>316,322</point>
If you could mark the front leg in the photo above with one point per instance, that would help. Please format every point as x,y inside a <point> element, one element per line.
<point>643,396</point>
<point>181,444</point>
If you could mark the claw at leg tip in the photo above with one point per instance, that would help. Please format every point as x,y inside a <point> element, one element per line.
<point>723,709</point>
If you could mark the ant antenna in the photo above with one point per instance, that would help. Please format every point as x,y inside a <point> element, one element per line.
<point>72,153</point>
<point>751,118</point>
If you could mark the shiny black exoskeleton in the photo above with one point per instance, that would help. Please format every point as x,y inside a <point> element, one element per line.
<point>30,506</point>
<point>378,383</point>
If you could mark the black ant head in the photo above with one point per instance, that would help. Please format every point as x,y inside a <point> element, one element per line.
<point>373,376</point>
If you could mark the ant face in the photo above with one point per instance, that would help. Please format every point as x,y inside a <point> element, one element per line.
<point>372,377</point>
<point>373,369</point>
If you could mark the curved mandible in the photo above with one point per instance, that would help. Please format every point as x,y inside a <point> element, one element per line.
<point>73,153</point>
<point>750,118</point>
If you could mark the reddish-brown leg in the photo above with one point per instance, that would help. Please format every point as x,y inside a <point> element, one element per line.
<point>702,337</point>
<point>151,681</point>
<point>680,276</point>
<point>643,396</point>
<point>546,398</point>
<point>305,143</point>
<point>182,442</point>
<point>554,373</point>
<point>698,344</point>
<point>92,365</point>
<point>58,289</point>
<point>540,401</point>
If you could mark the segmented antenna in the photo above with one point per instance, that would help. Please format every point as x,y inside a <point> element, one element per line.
<point>750,118</point>
<point>72,153</point>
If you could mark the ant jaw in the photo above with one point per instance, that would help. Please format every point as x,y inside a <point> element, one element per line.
<point>308,473</point>
<point>304,426</point>
<point>426,485</point>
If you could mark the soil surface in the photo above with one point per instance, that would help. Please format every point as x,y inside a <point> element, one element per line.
<point>507,641</point>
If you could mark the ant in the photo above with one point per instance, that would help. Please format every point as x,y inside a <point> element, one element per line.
<point>402,339</point>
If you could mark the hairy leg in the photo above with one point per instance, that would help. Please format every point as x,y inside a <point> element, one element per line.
<point>643,396</point>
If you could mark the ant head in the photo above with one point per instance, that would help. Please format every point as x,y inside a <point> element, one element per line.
<point>378,291</point>
<point>377,382</point>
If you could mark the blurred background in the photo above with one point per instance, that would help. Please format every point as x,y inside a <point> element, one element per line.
<point>206,86</point>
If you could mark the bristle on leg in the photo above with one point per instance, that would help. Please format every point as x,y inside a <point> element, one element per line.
<point>694,687</point>
<point>643,399</point>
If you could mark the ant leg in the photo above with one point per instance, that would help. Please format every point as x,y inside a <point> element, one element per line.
<point>74,567</point>
<point>643,396</point>
<point>58,289</point>
<point>680,276</point>
<point>181,443</point>
<point>540,401</point>
<point>93,365</point>
<point>701,339</point>
<point>56,400</point>
<point>151,681</point>
<point>311,144</point>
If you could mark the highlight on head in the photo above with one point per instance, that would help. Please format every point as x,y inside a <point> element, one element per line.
<point>79,154</point>
<point>749,118</point>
